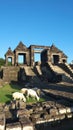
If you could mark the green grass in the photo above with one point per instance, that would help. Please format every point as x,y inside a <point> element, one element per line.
<point>6,94</point>
<point>34,100</point>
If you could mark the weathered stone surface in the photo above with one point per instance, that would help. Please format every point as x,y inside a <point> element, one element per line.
<point>53,111</point>
<point>30,111</point>
<point>12,105</point>
<point>6,107</point>
<point>62,111</point>
<point>2,120</point>
<point>28,128</point>
<point>69,115</point>
<point>46,105</point>
<point>22,105</point>
<point>35,115</point>
<point>36,109</point>
<point>45,112</point>
<point>26,123</point>
<point>1,83</point>
<point>61,117</point>
<point>14,126</point>
<point>47,116</point>
<point>2,127</point>
<point>23,112</point>
<point>2,115</point>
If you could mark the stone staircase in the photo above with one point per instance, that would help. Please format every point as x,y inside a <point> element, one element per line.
<point>29,71</point>
<point>69,67</point>
<point>37,74</point>
<point>32,77</point>
<point>23,74</point>
<point>58,70</point>
<point>65,67</point>
<point>38,69</point>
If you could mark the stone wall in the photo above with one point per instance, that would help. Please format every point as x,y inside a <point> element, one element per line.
<point>43,116</point>
<point>14,117</point>
<point>10,73</point>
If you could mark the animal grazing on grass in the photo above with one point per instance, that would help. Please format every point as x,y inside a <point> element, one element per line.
<point>19,96</point>
<point>33,94</point>
<point>38,91</point>
<point>24,91</point>
<point>30,93</point>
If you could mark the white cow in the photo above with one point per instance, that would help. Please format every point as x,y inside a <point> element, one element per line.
<point>18,95</point>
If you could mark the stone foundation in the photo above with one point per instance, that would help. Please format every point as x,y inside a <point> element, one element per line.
<point>41,116</point>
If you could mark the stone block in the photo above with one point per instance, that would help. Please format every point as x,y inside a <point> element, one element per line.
<point>28,127</point>
<point>21,113</point>
<point>26,123</point>
<point>2,121</point>
<point>22,105</point>
<point>62,111</point>
<point>53,111</point>
<point>14,126</point>
<point>69,115</point>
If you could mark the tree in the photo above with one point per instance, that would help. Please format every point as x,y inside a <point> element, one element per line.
<point>2,62</point>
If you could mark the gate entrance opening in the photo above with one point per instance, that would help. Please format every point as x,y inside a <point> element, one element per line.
<point>9,60</point>
<point>55,59</point>
<point>21,58</point>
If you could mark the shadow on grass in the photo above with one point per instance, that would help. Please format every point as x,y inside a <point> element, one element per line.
<point>9,98</point>
<point>16,85</point>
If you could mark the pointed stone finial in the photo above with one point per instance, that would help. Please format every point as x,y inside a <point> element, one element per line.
<point>9,48</point>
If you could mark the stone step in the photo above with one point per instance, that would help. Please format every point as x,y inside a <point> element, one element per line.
<point>29,71</point>
<point>65,76</point>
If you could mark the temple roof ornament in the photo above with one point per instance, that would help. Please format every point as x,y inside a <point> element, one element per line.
<point>20,47</point>
<point>9,52</point>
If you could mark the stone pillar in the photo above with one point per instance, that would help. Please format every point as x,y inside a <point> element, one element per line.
<point>13,60</point>
<point>32,56</point>
<point>60,58</point>
<point>27,58</point>
<point>6,60</point>
<point>48,56</point>
<point>16,58</point>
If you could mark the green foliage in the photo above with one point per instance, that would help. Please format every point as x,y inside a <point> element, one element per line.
<point>9,64</point>
<point>2,62</point>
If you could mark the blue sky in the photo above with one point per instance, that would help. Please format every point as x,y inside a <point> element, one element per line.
<point>40,22</point>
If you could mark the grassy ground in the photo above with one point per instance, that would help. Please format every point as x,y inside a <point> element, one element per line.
<point>6,93</point>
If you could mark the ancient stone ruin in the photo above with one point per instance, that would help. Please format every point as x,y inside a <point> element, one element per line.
<point>20,116</point>
<point>52,75</point>
<point>52,67</point>
<point>48,54</point>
